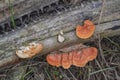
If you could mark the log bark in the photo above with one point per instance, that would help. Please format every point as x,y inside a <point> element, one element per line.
<point>46,31</point>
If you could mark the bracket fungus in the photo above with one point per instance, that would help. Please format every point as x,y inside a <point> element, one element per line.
<point>66,62</point>
<point>54,59</point>
<point>29,51</point>
<point>77,58</point>
<point>86,30</point>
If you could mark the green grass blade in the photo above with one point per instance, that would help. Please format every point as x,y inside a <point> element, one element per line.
<point>11,13</point>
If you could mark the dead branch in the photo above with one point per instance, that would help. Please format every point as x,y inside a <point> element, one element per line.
<point>46,31</point>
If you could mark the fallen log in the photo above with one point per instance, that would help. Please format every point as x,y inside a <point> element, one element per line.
<point>46,31</point>
<point>51,43</point>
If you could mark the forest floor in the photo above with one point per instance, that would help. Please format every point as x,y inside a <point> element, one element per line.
<point>105,67</point>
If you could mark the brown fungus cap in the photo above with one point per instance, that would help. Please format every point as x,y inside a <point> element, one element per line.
<point>86,30</point>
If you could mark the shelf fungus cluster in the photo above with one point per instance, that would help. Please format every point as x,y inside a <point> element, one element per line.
<point>29,51</point>
<point>86,30</point>
<point>77,58</point>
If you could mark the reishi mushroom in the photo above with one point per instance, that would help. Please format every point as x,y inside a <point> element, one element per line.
<point>77,58</point>
<point>29,51</point>
<point>86,30</point>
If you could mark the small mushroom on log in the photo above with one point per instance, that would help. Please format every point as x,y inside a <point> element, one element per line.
<point>29,51</point>
<point>86,30</point>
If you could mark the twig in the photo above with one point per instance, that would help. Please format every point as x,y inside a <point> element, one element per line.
<point>99,39</point>
<point>101,69</point>
<point>64,74</point>
<point>72,75</point>
<point>102,10</point>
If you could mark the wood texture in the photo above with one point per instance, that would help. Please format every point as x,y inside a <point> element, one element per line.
<point>46,31</point>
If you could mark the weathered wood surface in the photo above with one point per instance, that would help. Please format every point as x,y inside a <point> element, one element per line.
<point>21,7</point>
<point>46,31</point>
